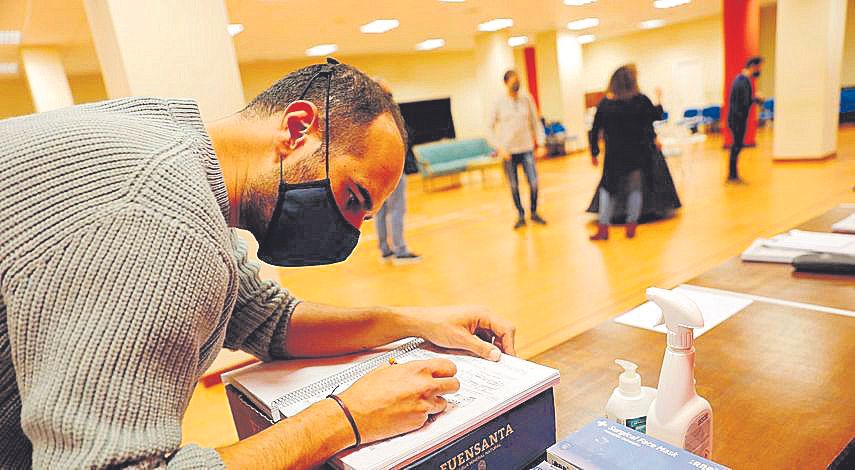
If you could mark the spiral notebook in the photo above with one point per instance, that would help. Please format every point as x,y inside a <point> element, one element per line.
<point>487,389</point>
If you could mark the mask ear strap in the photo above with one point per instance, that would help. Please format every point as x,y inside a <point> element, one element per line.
<point>327,125</point>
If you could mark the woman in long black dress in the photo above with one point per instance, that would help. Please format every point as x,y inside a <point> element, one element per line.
<point>625,117</point>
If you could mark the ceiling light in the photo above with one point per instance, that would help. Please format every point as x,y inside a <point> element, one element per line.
<point>515,41</point>
<point>10,37</point>
<point>234,29</point>
<point>584,23</point>
<point>321,49</point>
<point>669,3</point>
<point>651,24</point>
<point>8,68</point>
<point>379,26</point>
<point>451,1</point>
<point>578,3</point>
<point>430,44</point>
<point>496,24</point>
<point>586,38</point>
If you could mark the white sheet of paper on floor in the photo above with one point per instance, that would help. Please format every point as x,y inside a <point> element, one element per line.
<point>846,225</point>
<point>758,251</point>
<point>716,308</point>
<point>820,242</point>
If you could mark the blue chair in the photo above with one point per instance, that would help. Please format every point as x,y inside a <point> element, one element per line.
<point>767,112</point>
<point>452,157</point>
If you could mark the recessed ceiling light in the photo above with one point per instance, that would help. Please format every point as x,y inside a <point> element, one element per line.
<point>651,24</point>
<point>234,29</point>
<point>578,3</point>
<point>584,23</point>
<point>669,3</point>
<point>379,26</point>
<point>586,38</point>
<point>515,41</point>
<point>451,1</point>
<point>496,24</point>
<point>10,37</point>
<point>8,68</point>
<point>321,49</point>
<point>430,44</point>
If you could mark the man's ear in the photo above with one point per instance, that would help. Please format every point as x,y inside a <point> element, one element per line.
<point>299,119</point>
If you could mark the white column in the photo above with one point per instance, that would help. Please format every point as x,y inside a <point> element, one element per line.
<point>493,57</point>
<point>808,60</point>
<point>166,48</point>
<point>46,78</point>
<point>561,85</point>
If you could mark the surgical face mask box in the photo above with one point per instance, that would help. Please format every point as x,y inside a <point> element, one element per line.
<point>604,444</point>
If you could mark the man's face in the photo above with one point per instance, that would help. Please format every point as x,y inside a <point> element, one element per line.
<point>360,182</point>
<point>756,69</point>
<point>513,83</point>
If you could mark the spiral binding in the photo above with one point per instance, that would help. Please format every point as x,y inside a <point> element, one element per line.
<point>323,386</point>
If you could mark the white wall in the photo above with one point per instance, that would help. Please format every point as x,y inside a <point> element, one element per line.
<point>655,53</point>
<point>416,76</point>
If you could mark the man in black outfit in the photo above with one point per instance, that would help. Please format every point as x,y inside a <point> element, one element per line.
<point>741,98</point>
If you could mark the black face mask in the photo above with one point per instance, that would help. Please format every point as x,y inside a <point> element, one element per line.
<point>515,87</point>
<point>307,227</point>
<point>756,74</point>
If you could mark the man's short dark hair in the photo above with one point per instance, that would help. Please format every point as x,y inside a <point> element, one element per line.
<point>756,60</point>
<point>510,73</point>
<point>356,100</point>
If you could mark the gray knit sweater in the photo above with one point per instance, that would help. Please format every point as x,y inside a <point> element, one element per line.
<point>119,283</point>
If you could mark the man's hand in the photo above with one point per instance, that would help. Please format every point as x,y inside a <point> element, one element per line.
<point>503,154</point>
<point>457,327</point>
<point>397,399</point>
<point>540,152</point>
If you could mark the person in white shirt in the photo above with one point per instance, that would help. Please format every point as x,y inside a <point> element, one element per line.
<point>518,137</point>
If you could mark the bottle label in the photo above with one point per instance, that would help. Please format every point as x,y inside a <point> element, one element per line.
<point>699,435</point>
<point>639,424</point>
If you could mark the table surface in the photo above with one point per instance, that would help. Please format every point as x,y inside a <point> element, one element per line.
<point>776,375</point>
<point>779,281</point>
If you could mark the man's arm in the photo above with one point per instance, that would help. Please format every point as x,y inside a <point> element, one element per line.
<point>107,334</point>
<point>312,325</point>
<point>539,135</point>
<point>410,393</point>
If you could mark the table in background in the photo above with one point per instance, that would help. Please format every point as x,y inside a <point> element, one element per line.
<point>777,376</point>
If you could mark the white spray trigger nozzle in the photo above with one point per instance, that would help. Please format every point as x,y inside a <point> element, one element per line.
<point>629,380</point>
<point>679,314</point>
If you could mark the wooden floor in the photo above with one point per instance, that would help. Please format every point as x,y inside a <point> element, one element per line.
<point>551,281</point>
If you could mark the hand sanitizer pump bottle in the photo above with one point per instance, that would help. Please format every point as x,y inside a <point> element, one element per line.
<point>630,402</point>
<point>678,415</point>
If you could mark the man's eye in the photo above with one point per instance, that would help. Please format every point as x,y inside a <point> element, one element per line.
<point>352,202</point>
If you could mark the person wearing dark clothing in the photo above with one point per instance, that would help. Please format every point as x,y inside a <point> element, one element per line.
<point>625,117</point>
<point>739,104</point>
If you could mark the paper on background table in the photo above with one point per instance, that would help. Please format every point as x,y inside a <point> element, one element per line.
<point>758,251</point>
<point>846,225</point>
<point>821,242</point>
<point>715,307</point>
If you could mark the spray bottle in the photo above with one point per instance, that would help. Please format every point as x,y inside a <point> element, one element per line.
<point>630,402</point>
<point>678,415</point>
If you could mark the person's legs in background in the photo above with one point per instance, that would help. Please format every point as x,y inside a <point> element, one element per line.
<point>380,223</point>
<point>634,203</point>
<point>513,180</point>
<point>604,215</point>
<point>737,130</point>
<point>396,223</point>
<point>531,175</point>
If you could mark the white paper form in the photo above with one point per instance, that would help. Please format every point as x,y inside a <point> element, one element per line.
<point>486,389</point>
<point>846,225</point>
<point>715,307</point>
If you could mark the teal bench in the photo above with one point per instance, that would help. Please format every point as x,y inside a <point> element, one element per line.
<point>452,157</point>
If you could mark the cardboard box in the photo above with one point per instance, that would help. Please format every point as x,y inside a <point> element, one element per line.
<point>514,439</point>
<point>604,444</point>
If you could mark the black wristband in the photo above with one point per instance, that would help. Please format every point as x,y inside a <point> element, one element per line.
<point>349,418</point>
